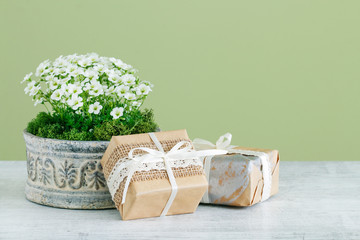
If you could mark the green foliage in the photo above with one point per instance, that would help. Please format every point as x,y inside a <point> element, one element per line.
<point>68,126</point>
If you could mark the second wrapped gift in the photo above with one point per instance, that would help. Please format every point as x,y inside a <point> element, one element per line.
<point>154,174</point>
<point>242,177</point>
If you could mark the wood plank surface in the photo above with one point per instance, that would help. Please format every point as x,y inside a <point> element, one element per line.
<point>317,200</point>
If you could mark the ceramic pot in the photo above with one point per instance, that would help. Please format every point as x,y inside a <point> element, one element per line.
<point>66,174</point>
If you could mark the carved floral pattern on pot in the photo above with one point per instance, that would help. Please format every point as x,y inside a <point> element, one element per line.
<point>89,175</point>
<point>66,174</point>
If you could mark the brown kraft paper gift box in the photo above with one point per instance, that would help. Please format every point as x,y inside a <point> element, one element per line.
<point>149,191</point>
<point>236,179</point>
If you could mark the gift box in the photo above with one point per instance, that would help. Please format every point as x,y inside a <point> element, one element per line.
<point>243,177</point>
<point>154,174</point>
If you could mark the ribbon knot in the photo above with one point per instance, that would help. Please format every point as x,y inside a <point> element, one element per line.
<point>156,155</point>
<point>223,143</point>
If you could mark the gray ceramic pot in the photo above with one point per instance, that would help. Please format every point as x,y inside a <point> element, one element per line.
<point>66,174</point>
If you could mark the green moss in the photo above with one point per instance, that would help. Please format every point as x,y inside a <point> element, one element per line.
<point>73,127</point>
<point>75,134</point>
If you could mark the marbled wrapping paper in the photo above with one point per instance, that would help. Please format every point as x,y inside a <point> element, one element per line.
<point>236,179</point>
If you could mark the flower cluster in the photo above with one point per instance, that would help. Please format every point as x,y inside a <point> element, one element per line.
<point>88,85</point>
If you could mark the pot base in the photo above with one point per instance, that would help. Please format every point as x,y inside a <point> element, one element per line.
<point>68,199</point>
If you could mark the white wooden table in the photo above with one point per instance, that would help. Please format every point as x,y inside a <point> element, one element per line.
<point>317,200</point>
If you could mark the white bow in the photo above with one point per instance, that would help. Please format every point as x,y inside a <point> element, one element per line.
<point>223,143</point>
<point>176,153</point>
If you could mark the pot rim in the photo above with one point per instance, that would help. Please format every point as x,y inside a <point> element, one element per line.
<point>62,140</point>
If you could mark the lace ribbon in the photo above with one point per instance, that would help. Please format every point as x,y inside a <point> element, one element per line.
<point>181,155</point>
<point>224,143</point>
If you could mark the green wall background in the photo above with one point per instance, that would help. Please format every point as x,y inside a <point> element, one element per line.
<point>276,74</point>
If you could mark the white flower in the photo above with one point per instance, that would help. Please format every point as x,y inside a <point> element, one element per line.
<point>30,86</point>
<point>72,70</point>
<point>121,64</point>
<point>91,74</point>
<point>109,91</point>
<point>65,80</point>
<point>117,112</point>
<point>27,77</point>
<point>60,71</point>
<point>115,78</point>
<point>38,100</point>
<point>121,90</point>
<point>100,68</point>
<point>49,71</point>
<point>60,62</point>
<point>84,83</point>
<point>143,89</point>
<point>126,66</point>
<point>34,90</point>
<point>72,58</point>
<point>96,91</point>
<point>95,108</point>
<point>128,79</point>
<point>74,89</point>
<point>78,80</point>
<point>65,90</point>
<point>50,77</point>
<point>64,99</point>
<point>56,95</point>
<point>130,96</point>
<point>106,62</point>
<point>116,62</point>
<point>54,84</point>
<point>41,68</point>
<point>79,71</point>
<point>94,87</point>
<point>94,57</point>
<point>136,104</point>
<point>85,62</point>
<point>109,71</point>
<point>148,83</point>
<point>75,102</point>
<point>94,84</point>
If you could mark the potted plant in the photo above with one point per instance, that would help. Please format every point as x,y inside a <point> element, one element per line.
<point>88,99</point>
